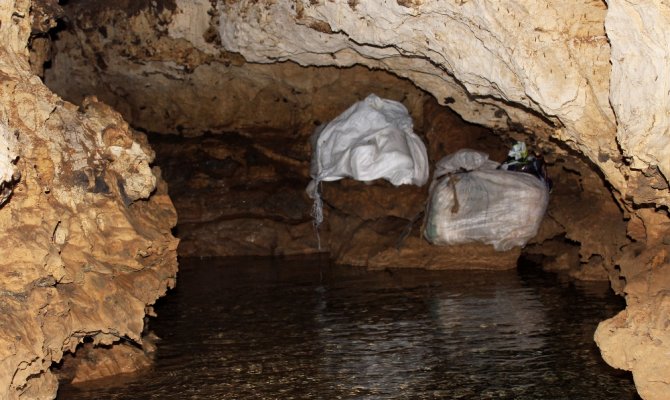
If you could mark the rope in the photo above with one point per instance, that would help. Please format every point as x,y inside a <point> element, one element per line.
<point>317,212</point>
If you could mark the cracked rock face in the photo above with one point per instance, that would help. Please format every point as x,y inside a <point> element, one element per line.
<point>586,82</point>
<point>85,235</point>
<point>640,75</point>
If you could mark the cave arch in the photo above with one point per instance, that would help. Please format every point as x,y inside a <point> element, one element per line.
<point>138,58</point>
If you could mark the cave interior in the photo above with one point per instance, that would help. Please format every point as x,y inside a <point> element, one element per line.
<point>232,141</point>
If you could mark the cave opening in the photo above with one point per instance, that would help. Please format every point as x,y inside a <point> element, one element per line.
<point>231,139</point>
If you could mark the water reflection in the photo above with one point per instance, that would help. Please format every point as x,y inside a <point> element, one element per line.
<point>303,329</point>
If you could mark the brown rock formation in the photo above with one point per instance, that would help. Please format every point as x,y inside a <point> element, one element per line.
<point>637,337</point>
<point>85,235</point>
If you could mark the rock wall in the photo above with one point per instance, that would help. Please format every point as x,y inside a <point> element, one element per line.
<point>499,64</point>
<point>586,82</point>
<point>542,65</point>
<point>165,84</point>
<point>639,84</point>
<point>9,173</point>
<point>244,194</point>
<point>84,225</point>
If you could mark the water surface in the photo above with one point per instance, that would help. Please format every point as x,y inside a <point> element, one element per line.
<point>249,328</point>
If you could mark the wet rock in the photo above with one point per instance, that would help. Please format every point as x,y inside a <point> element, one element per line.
<point>233,199</point>
<point>375,200</point>
<point>380,244</point>
<point>91,363</point>
<point>584,223</point>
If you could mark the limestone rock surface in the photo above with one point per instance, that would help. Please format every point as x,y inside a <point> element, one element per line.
<point>79,258</point>
<point>9,174</point>
<point>542,65</point>
<point>640,80</point>
<point>243,195</point>
<point>636,338</point>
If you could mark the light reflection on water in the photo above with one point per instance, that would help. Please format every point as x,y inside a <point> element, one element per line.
<point>303,329</point>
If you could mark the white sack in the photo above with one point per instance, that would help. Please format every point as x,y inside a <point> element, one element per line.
<point>372,139</point>
<point>474,202</point>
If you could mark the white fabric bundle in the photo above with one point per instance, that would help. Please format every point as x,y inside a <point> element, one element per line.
<point>372,139</point>
<point>472,201</point>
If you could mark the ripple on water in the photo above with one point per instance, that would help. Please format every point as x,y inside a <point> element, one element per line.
<point>303,329</point>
